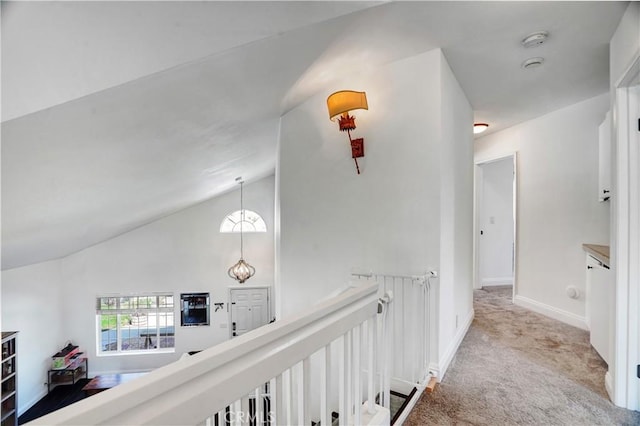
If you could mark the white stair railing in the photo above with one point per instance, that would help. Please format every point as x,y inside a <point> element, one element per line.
<point>265,376</point>
<point>410,319</point>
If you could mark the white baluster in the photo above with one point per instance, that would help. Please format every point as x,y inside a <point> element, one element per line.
<point>410,333</point>
<point>406,344</point>
<point>371,327</point>
<point>388,341</point>
<point>390,335</point>
<point>411,324</point>
<point>395,336</point>
<point>305,415</point>
<point>278,404</point>
<point>348,373</point>
<point>342,380</point>
<point>269,409</point>
<point>430,313</point>
<point>407,327</point>
<point>425,332</point>
<point>357,374</point>
<point>298,393</point>
<point>422,332</point>
<point>325,387</point>
<point>417,358</point>
<point>246,410</point>
<point>381,347</point>
<point>289,396</point>
<point>236,413</point>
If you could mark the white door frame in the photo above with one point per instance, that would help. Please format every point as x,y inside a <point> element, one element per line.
<point>477,202</point>
<point>246,287</point>
<point>622,381</point>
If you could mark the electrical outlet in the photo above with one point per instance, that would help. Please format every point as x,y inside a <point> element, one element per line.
<point>456,321</point>
<point>223,325</point>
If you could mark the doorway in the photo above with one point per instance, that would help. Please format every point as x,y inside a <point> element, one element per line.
<point>249,309</point>
<point>623,378</point>
<point>495,223</point>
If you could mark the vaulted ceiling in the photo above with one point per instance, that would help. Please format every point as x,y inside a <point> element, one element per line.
<point>117,113</point>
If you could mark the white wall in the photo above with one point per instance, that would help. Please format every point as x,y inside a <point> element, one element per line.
<point>389,219</point>
<point>31,304</point>
<point>496,222</point>
<point>456,217</point>
<point>558,209</point>
<point>183,252</point>
<point>52,302</point>
<point>334,221</point>
<point>625,43</point>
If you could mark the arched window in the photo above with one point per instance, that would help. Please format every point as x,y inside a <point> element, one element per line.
<point>252,222</point>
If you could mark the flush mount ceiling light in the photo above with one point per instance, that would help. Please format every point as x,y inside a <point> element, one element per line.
<point>532,63</point>
<point>480,127</point>
<point>535,39</point>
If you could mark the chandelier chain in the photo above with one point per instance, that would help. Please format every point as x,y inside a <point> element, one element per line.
<point>241,220</point>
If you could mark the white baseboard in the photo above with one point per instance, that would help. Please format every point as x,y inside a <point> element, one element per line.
<point>440,369</point>
<point>488,282</point>
<point>105,372</point>
<point>22,408</point>
<point>552,312</point>
<point>434,369</point>
<point>402,386</point>
<point>608,384</point>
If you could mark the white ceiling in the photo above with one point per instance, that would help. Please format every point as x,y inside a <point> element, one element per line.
<point>116,114</point>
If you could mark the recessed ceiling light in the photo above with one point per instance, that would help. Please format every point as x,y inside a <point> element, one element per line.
<point>535,39</point>
<point>480,127</point>
<point>532,63</point>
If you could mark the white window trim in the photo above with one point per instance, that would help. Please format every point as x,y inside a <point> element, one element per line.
<point>251,222</point>
<point>119,351</point>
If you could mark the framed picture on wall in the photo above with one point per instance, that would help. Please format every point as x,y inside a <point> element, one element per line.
<point>194,309</point>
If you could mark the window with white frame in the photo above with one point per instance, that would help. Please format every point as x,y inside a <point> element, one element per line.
<point>135,323</point>
<point>247,220</point>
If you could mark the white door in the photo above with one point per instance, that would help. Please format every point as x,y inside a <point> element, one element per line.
<point>249,309</point>
<point>600,289</point>
<point>626,238</point>
<point>634,139</point>
<point>495,220</point>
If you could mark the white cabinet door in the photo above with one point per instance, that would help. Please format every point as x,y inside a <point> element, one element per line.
<point>604,159</point>
<point>249,309</point>
<point>600,288</point>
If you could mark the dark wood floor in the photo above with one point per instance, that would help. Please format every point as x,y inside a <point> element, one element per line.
<point>59,397</point>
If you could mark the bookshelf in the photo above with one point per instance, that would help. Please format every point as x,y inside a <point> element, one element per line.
<point>9,413</point>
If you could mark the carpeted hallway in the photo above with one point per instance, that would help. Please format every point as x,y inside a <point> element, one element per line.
<point>517,367</point>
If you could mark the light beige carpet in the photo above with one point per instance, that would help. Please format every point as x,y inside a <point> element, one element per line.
<point>516,367</point>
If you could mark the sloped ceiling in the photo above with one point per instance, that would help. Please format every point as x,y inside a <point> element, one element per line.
<point>116,114</point>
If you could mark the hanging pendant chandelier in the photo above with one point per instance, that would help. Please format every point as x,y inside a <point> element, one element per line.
<point>241,271</point>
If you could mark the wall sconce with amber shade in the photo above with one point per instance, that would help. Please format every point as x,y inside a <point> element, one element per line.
<point>339,105</point>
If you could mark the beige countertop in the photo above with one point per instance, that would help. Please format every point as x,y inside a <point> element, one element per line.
<point>599,252</point>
